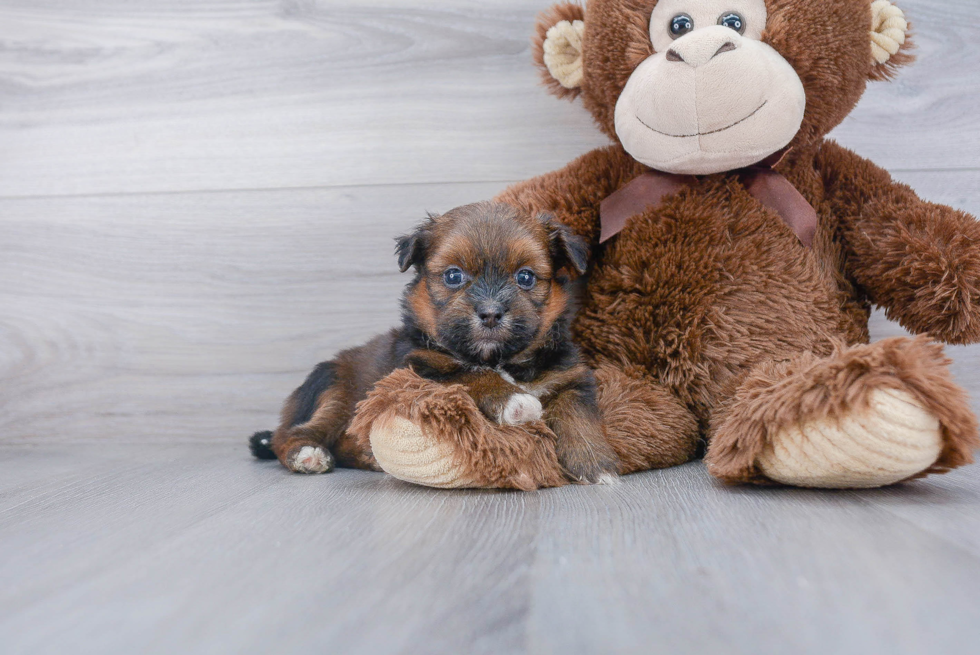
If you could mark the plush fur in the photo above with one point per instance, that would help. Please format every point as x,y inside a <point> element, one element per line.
<point>706,317</point>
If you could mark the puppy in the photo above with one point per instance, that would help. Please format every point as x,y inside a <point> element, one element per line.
<point>488,308</point>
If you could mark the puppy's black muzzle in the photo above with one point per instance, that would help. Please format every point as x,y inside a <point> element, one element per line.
<point>490,313</point>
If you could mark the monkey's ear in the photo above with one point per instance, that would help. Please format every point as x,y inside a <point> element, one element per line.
<point>890,40</point>
<point>411,248</point>
<point>567,248</point>
<point>557,47</point>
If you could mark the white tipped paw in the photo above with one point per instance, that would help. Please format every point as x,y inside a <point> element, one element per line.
<point>892,440</point>
<point>608,479</point>
<point>521,408</point>
<point>311,459</point>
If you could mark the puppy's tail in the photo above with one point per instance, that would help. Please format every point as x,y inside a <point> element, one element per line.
<point>261,445</point>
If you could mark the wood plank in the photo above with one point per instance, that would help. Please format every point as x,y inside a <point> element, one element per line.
<point>216,553</point>
<point>198,549</point>
<point>942,507</point>
<point>133,97</point>
<point>676,563</point>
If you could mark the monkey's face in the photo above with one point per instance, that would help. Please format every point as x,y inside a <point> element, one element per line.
<point>706,86</point>
<point>490,283</point>
<point>713,97</point>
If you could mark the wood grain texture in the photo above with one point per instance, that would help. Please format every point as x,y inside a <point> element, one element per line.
<point>197,549</point>
<point>125,97</point>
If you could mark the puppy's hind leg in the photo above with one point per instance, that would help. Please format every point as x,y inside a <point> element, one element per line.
<point>305,448</point>
<point>314,417</point>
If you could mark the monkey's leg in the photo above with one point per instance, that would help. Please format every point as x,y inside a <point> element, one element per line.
<point>866,416</point>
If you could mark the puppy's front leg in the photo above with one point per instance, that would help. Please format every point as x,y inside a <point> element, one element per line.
<point>498,399</point>
<point>572,414</point>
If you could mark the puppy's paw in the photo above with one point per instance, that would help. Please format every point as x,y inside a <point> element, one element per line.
<point>589,461</point>
<point>310,459</point>
<point>593,473</point>
<point>521,408</point>
<point>608,478</point>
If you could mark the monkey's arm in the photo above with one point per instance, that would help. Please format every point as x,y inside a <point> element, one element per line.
<point>573,193</point>
<point>918,260</point>
<point>488,390</point>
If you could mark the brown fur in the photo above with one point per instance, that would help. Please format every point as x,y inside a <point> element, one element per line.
<point>356,370</point>
<point>704,303</point>
<point>440,341</point>
<point>634,406</point>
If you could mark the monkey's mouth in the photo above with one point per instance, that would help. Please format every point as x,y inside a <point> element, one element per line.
<point>721,129</point>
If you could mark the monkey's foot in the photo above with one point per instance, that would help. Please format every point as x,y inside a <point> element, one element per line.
<point>404,451</point>
<point>867,416</point>
<point>892,439</point>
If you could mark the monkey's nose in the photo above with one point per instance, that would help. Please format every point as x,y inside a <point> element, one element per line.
<point>701,46</point>
<point>490,315</point>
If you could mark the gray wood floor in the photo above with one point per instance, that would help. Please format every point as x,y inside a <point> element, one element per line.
<point>197,203</point>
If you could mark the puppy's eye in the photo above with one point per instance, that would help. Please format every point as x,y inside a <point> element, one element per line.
<point>454,278</point>
<point>680,25</point>
<point>733,21</point>
<point>526,278</point>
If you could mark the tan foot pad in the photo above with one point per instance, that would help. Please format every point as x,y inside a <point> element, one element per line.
<point>405,452</point>
<point>891,440</point>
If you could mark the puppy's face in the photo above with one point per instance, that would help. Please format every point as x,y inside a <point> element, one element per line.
<point>490,283</point>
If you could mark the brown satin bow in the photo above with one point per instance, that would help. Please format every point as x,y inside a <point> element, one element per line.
<point>761,181</point>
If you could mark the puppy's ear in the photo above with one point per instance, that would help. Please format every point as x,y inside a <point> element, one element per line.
<point>411,248</point>
<point>567,248</point>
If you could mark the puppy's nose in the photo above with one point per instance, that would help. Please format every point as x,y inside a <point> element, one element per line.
<point>490,314</point>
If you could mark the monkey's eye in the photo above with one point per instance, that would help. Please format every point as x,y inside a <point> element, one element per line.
<point>454,278</point>
<point>526,278</point>
<point>680,25</point>
<point>733,21</point>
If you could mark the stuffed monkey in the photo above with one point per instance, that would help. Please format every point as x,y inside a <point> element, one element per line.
<point>736,254</point>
